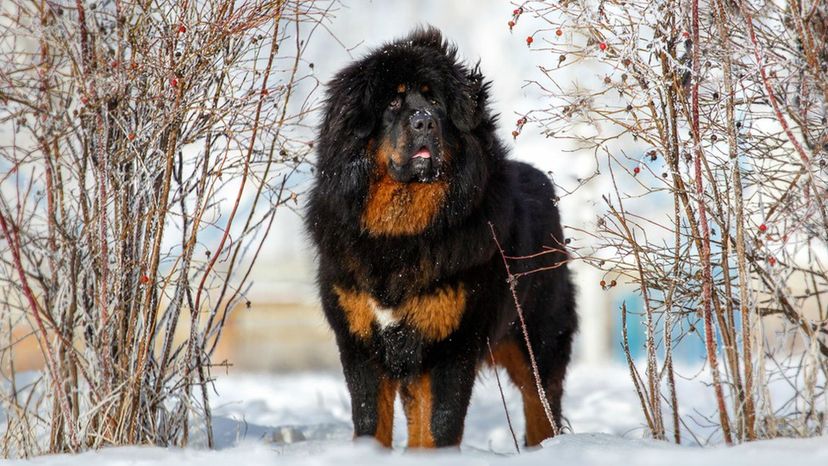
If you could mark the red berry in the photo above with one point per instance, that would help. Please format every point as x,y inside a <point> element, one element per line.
<point>529,40</point>
<point>602,46</point>
<point>763,228</point>
<point>144,279</point>
<point>182,29</point>
<point>558,32</point>
<point>511,24</point>
<point>516,11</point>
<point>515,134</point>
<point>174,82</point>
<point>115,63</point>
<point>686,34</point>
<point>772,260</point>
<point>84,100</point>
<point>637,170</point>
<point>131,136</point>
<point>603,283</point>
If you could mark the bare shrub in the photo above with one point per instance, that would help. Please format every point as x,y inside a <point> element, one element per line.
<point>145,149</point>
<point>706,125</point>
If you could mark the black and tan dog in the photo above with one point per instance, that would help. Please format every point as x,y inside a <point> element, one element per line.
<point>410,177</point>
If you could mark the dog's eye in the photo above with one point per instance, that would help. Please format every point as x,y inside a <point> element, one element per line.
<point>395,103</point>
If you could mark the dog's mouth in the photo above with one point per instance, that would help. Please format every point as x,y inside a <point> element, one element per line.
<point>422,153</point>
<point>422,165</point>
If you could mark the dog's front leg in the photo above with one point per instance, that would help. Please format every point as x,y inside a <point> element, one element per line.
<point>436,403</point>
<point>372,395</point>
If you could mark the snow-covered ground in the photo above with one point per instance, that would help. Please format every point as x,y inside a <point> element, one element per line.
<point>304,419</point>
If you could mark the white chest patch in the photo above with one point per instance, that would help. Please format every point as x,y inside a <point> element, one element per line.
<point>383,316</point>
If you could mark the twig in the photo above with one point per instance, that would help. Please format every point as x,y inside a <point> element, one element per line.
<point>502,397</point>
<point>538,384</point>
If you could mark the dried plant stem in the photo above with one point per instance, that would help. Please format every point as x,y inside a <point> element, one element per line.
<point>738,205</point>
<point>707,279</point>
<point>512,281</point>
<point>54,374</point>
<point>502,397</point>
<point>636,379</point>
<point>780,118</point>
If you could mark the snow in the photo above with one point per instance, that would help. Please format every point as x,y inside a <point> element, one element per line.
<point>571,450</point>
<point>304,419</point>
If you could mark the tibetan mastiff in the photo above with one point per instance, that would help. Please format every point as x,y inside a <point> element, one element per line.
<point>413,191</point>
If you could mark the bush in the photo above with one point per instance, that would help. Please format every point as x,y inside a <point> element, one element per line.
<point>150,146</point>
<point>706,122</point>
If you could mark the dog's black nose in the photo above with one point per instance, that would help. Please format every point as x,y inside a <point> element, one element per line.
<point>421,122</point>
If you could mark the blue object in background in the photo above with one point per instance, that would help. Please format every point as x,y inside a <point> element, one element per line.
<point>688,332</point>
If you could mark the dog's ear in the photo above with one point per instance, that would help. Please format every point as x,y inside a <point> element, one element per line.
<point>364,114</point>
<point>349,106</point>
<point>467,108</point>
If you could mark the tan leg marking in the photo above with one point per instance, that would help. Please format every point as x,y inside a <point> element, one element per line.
<point>385,411</point>
<point>417,402</point>
<point>508,355</point>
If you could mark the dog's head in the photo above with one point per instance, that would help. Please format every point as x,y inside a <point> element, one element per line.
<point>408,105</point>
<point>412,133</point>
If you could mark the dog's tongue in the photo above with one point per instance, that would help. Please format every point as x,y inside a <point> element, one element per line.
<point>422,154</point>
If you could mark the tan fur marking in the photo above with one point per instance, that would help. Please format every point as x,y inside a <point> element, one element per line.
<point>385,411</point>
<point>383,154</point>
<point>436,315</point>
<point>509,356</point>
<point>417,403</point>
<point>397,209</point>
<point>424,88</point>
<point>401,88</point>
<point>358,312</point>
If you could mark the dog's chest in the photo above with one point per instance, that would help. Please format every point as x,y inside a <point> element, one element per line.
<point>433,315</point>
<point>396,209</point>
<point>384,317</point>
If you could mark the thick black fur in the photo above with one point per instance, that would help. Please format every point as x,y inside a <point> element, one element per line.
<point>484,188</point>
